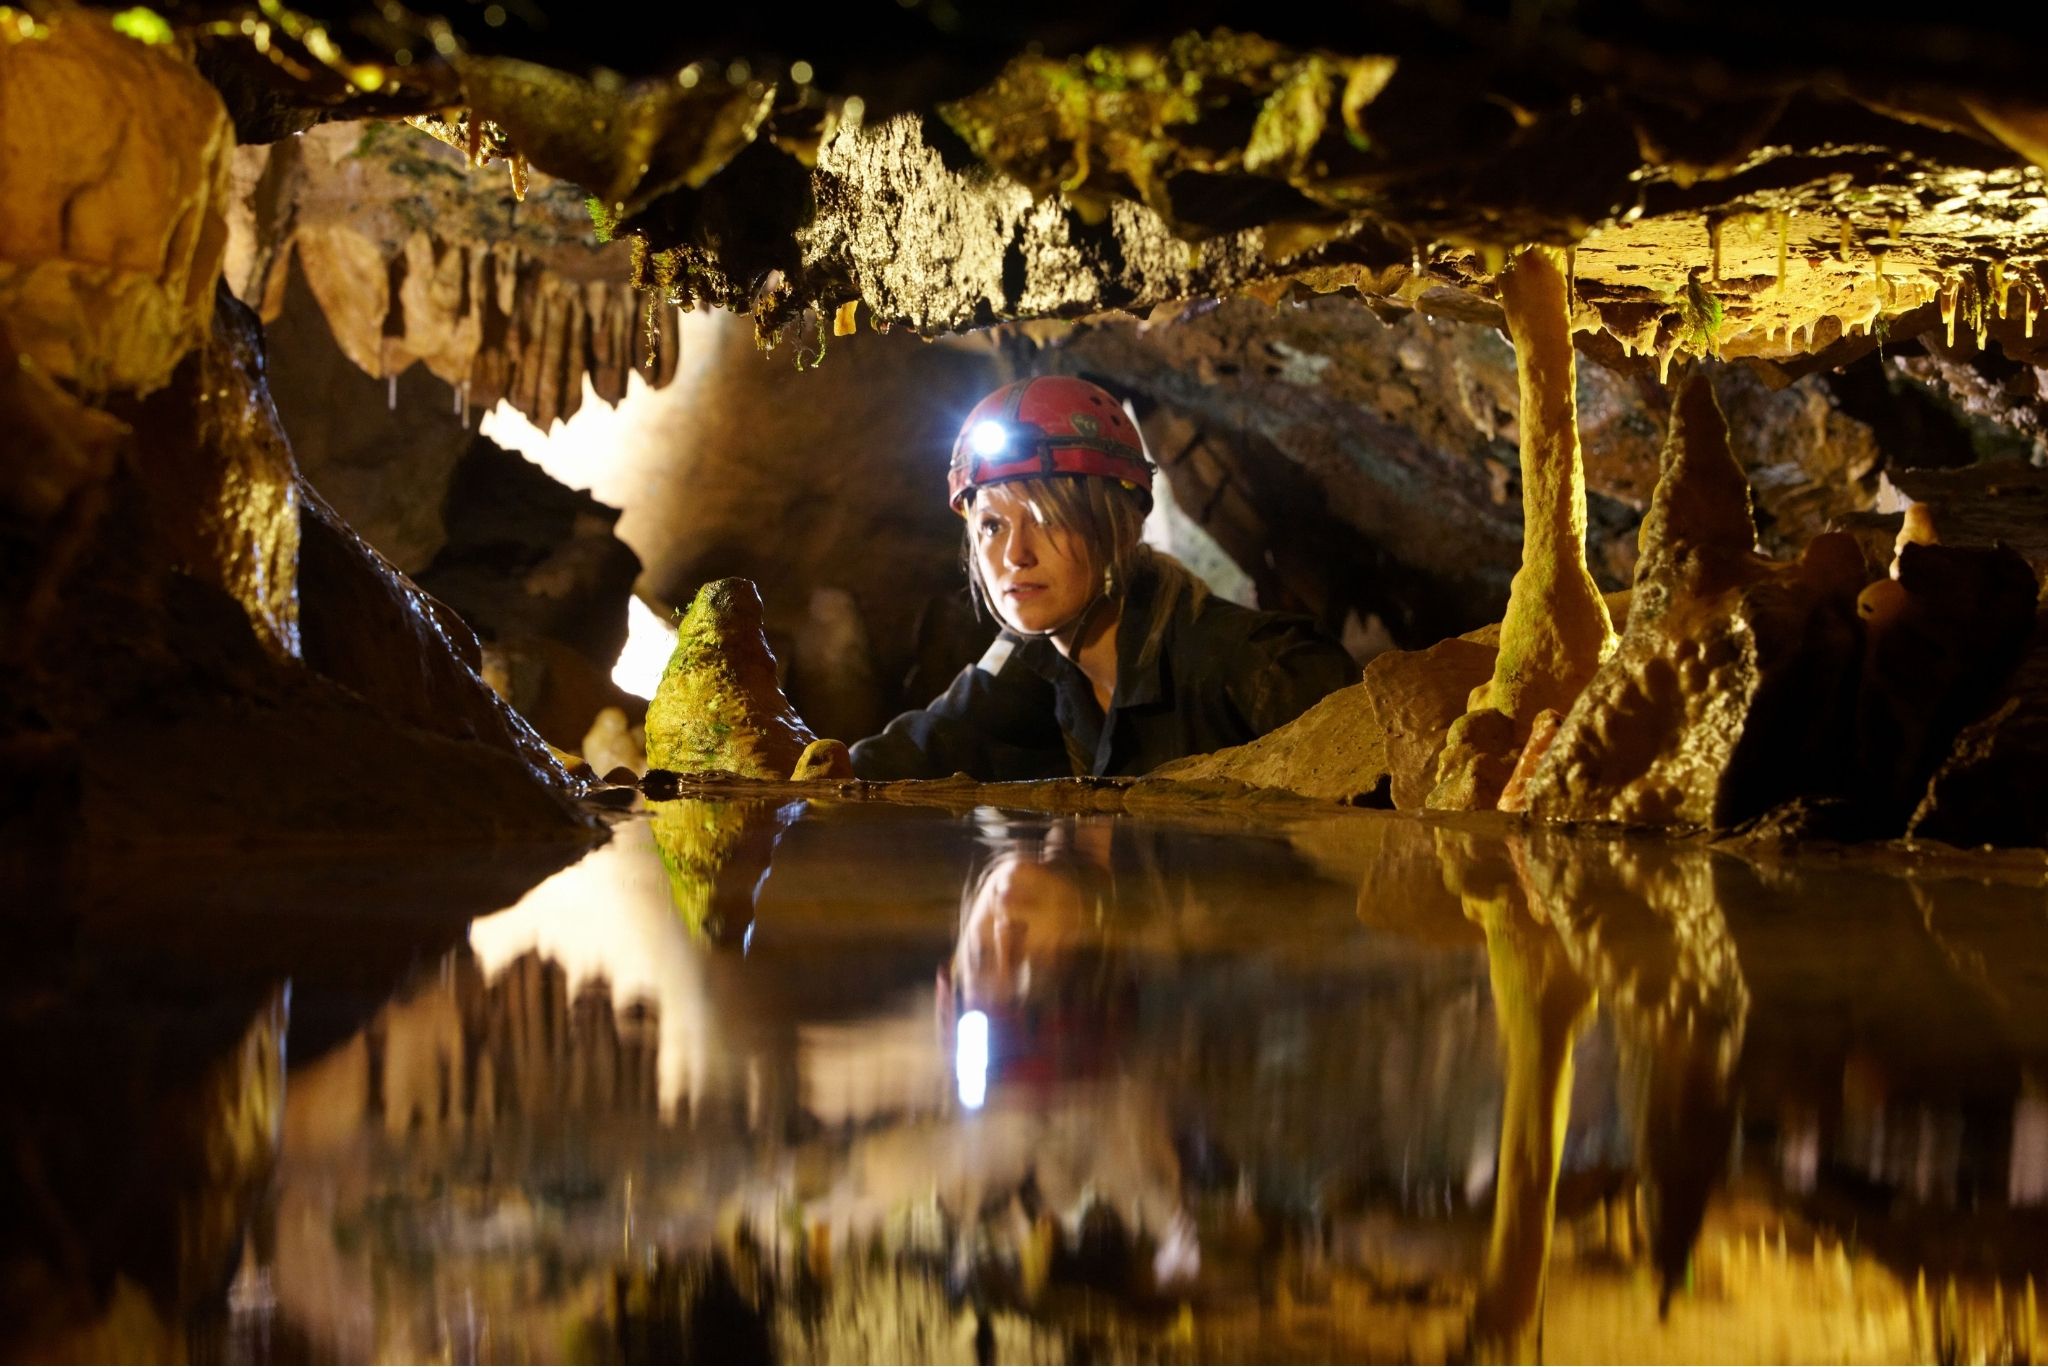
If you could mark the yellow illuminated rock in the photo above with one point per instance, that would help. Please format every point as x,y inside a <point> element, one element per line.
<point>824,759</point>
<point>115,157</point>
<point>1556,630</point>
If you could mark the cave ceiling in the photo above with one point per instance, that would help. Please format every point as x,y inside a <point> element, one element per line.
<point>1735,180</point>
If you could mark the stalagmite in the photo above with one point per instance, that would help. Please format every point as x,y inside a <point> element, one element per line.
<point>1718,698</point>
<point>718,706</point>
<point>1556,630</point>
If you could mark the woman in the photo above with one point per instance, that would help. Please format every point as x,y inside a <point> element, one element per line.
<point>1113,658</point>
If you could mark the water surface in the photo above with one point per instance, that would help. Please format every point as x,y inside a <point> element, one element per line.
<point>843,1080</point>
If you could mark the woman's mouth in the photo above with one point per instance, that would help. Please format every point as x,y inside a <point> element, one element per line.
<point>1023,590</point>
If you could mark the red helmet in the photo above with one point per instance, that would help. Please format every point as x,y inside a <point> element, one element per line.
<point>1051,425</point>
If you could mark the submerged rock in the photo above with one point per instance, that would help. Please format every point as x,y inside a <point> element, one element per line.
<point>718,706</point>
<point>1732,686</point>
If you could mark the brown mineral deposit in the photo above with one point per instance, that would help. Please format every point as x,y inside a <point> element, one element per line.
<point>115,157</point>
<point>824,760</point>
<point>1728,691</point>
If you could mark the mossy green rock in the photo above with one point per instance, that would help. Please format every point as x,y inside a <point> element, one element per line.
<point>718,707</point>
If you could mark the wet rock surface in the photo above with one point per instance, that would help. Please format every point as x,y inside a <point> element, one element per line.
<point>159,687</point>
<point>110,251</point>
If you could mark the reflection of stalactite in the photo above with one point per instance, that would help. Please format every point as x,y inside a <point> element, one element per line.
<point>550,1056</point>
<point>465,1052</point>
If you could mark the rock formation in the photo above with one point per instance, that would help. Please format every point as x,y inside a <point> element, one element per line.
<point>1732,684</point>
<point>174,673</point>
<point>1556,631</point>
<point>719,707</point>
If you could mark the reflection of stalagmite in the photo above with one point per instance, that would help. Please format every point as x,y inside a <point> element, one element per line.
<point>1644,926</point>
<point>716,854</point>
<point>1557,629</point>
<point>1540,1005</point>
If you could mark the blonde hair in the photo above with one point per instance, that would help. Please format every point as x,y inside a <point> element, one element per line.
<point>1104,517</point>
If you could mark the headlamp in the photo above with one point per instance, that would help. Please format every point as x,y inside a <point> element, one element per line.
<point>970,1058</point>
<point>988,439</point>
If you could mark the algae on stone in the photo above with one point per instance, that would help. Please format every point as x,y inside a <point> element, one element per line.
<point>718,706</point>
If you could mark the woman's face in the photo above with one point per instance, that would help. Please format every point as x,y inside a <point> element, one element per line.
<point>1026,919</point>
<point>1037,579</point>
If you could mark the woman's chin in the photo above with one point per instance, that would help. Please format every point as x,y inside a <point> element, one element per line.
<point>1028,620</point>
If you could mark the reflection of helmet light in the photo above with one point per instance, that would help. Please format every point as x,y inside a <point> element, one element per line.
<point>970,1058</point>
<point>987,439</point>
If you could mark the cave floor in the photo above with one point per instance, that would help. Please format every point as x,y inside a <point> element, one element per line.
<point>770,1077</point>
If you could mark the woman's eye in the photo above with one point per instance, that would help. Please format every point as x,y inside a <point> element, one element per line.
<point>989,527</point>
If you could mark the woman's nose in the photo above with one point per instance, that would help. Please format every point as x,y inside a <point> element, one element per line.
<point>1018,548</point>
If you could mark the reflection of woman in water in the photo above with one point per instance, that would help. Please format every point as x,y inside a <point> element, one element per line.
<point>1112,659</point>
<point>1032,975</point>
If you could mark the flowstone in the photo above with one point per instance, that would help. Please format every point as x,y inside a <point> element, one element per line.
<point>718,706</point>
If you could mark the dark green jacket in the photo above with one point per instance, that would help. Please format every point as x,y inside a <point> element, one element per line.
<point>1191,677</point>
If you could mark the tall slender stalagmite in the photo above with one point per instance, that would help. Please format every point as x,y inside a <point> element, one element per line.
<point>1556,630</point>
